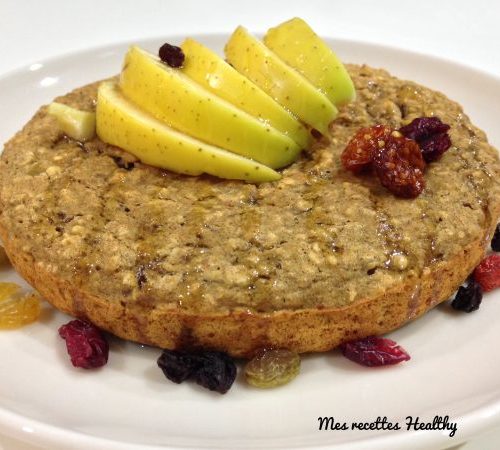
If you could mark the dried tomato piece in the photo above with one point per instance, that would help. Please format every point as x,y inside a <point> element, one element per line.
<point>431,135</point>
<point>399,166</point>
<point>374,351</point>
<point>360,150</point>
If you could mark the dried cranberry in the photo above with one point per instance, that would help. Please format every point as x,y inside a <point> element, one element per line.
<point>424,127</point>
<point>468,297</point>
<point>487,273</point>
<point>361,149</point>
<point>399,166</point>
<point>215,371</point>
<point>430,134</point>
<point>171,55</point>
<point>495,242</point>
<point>86,345</point>
<point>374,351</point>
<point>434,147</point>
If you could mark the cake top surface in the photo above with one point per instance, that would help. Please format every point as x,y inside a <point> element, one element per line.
<point>318,238</point>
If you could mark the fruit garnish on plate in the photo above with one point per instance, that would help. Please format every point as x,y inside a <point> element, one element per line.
<point>271,368</point>
<point>213,370</point>
<point>17,308</point>
<point>85,344</point>
<point>468,297</point>
<point>487,273</point>
<point>374,351</point>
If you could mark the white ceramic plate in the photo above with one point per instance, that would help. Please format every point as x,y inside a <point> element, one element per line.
<point>129,405</point>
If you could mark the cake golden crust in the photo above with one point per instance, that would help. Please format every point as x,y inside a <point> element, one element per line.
<point>241,333</point>
<point>306,263</point>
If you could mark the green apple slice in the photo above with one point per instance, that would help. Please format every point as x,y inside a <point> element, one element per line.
<point>300,47</point>
<point>123,124</point>
<point>288,87</point>
<point>76,124</point>
<point>213,73</point>
<point>174,98</point>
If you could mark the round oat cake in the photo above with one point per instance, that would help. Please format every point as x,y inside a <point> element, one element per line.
<point>305,263</point>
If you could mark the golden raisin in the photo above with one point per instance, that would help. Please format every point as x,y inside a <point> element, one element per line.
<point>16,309</point>
<point>272,368</point>
<point>8,290</point>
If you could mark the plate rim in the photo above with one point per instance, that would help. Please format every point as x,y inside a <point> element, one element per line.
<point>177,37</point>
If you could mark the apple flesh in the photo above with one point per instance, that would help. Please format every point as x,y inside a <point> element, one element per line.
<point>123,124</point>
<point>288,87</point>
<point>175,99</point>
<point>300,47</point>
<point>79,125</point>
<point>213,73</point>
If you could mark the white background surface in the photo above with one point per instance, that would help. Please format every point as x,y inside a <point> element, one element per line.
<point>465,31</point>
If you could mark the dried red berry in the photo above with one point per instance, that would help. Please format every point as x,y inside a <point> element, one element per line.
<point>399,166</point>
<point>171,55</point>
<point>495,242</point>
<point>397,161</point>
<point>435,146</point>
<point>361,149</point>
<point>487,273</point>
<point>431,135</point>
<point>215,371</point>
<point>85,344</point>
<point>468,297</point>
<point>374,351</point>
<point>423,128</point>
